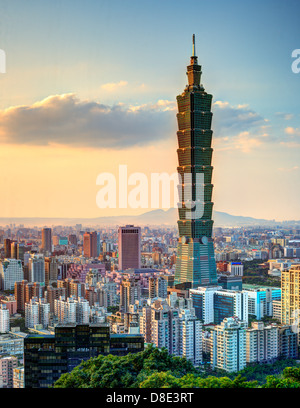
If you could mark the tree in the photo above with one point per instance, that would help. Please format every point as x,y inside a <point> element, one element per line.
<point>160,380</point>
<point>125,371</point>
<point>156,368</point>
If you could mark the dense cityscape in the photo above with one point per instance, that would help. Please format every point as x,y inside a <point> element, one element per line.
<point>121,281</point>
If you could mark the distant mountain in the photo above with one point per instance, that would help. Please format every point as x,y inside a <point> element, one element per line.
<point>154,217</point>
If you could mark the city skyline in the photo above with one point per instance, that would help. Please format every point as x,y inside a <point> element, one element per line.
<point>118,76</point>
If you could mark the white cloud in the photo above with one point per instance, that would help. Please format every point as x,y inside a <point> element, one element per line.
<point>112,86</point>
<point>238,127</point>
<point>292,131</point>
<point>65,119</point>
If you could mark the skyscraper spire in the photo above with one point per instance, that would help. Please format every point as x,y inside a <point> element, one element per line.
<point>194,46</point>
<point>194,70</point>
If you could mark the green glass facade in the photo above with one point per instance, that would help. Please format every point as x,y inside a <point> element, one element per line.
<point>195,261</point>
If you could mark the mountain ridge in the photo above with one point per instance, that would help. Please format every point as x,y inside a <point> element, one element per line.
<point>153,217</point>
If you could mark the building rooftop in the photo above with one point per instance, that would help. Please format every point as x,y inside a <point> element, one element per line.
<point>255,287</point>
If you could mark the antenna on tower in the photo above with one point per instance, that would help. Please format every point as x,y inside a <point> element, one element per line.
<point>194,46</point>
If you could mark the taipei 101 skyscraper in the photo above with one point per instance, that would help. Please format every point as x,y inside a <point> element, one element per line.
<point>195,261</point>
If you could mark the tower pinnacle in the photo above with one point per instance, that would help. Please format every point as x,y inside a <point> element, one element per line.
<point>194,70</point>
<point>194,46</point>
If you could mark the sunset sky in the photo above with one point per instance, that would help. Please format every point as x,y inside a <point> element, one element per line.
<point>91,85</point>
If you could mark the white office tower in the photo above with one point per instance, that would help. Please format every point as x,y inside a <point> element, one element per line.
<point>36,266</point>
<point>261,301</point>
<point>37,311</point>
<point>261,343</point>
<point>4,319</point>
<point>11,271</point>
<point>203,302</point>
<point>228,350</point>
<point>32,312</point>
<point>190,337</point>
<point>44,313</point>
<point>228,303</point>
<point>82,311</point>
<point>236,268</point>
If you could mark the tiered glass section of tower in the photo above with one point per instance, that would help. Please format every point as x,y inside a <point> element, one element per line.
<point>195,253</point>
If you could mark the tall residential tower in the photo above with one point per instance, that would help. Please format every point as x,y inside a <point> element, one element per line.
<point>195,253</point>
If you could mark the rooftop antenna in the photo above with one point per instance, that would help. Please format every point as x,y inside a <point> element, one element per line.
<point>194,47</point>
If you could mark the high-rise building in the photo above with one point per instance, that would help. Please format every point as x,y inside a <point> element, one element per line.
<point>288,342</point>
<point>276,310</point>
<point>12,345</point>
<point>129,247</point>
<point>24,291</point>
<point>14,250</point>
<point>19,292</point>
<point>65,310</point>
<point>165,327</point>
<point>290,295</point>
<point>203,302</point>
<point>72,310</point>
<point>18,377</point>
<point>261,343</point>
<point>195,261</point>
<point>32,313</point>
<point>36,266</point>
<point>82,311</point>
<point>52,293</point>
<point>47,240</point>
<point>158,286</point>
<point>174,327</point>
<point>145,323</point>
<point>7,248</point>
<point>10,303</point>
<point>130,291</point>
<point>236,268</point>
<point>37,312</point>
<point>51,270</point>
<point>213,304</point>
<point>4,319</point>
<point>229,303</point>
<point>228,349</point>
<point>190,337</point>
<point>11,271</point>
<point>20,251</point>
<point>90,245</point>
<point>7,365</point>
<point>231,282</point>
<point>260,301</point>
<point>73,287</point>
